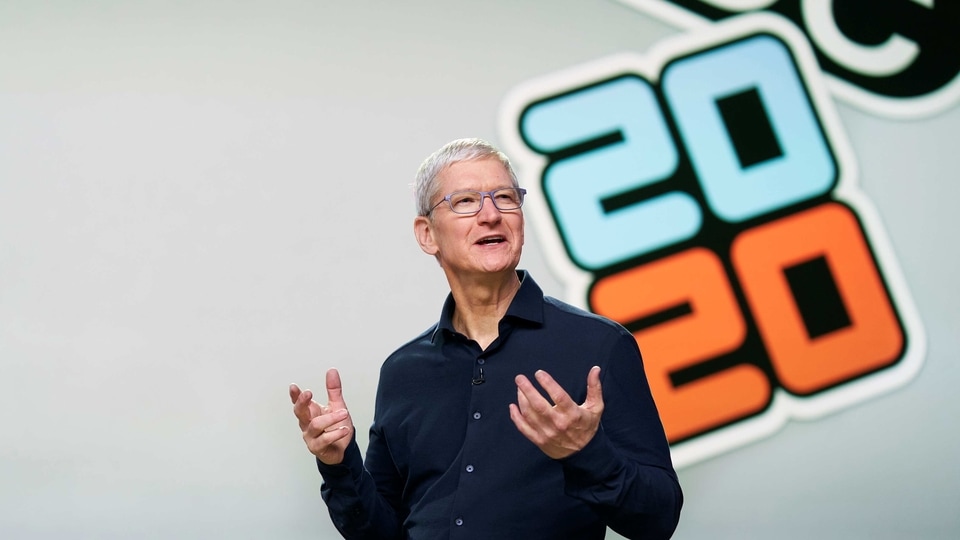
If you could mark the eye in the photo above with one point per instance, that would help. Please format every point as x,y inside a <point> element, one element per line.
<point>464,199</point>
<point>507,196</point>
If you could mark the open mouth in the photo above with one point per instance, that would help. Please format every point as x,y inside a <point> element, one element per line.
<point>488,240</point>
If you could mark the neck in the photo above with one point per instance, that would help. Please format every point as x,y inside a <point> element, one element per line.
<point>480,306</point>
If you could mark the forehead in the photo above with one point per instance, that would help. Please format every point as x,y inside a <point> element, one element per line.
<point>482,174</point>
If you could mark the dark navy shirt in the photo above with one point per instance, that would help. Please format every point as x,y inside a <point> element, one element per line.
<point>444,459</point>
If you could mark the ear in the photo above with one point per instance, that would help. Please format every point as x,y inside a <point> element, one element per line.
<point>423,231</point>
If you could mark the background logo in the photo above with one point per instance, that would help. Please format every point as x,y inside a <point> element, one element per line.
<point>704,196</point>
<point>898,58</point>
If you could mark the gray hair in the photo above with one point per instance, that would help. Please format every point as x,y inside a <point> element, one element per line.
<point>425,186</point>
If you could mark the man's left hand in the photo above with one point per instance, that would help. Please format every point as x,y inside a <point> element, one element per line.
<point>562,428</point>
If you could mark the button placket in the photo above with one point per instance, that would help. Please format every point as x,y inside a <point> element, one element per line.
<point>470,473</point>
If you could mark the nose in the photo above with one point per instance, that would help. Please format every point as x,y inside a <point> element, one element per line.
<point>488,211</point>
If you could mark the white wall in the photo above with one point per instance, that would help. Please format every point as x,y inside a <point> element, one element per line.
<point>201,202</point>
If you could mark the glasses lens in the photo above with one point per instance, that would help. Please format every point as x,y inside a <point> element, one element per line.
<point>508,198</point>
<point>469,202</point>
<point>465,202</point>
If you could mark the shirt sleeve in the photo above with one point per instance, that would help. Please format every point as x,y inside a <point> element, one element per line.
<point>359,507</point>
<point>625,473</point>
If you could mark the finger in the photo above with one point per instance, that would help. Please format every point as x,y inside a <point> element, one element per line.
<point>307,397</point>
<point>326,440</point>
<point>529,398</point>
<point>594,388</point>
<point>523,404</point>
<point>325,444</point>
<point>520,421</point>
<point>335,434</point>
<point>301,408</point>
<point>557,394</point>
<point>294,393</point>
<point>528,417</point>
<point>335,390</point>
<point>326,423</point>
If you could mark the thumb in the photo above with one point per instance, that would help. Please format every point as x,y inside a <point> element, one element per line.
<point>335,390</point>
<point>594,389</point>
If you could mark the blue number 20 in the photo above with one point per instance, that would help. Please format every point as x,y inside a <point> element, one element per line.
<point>576,186</point>
<point>609,140</point>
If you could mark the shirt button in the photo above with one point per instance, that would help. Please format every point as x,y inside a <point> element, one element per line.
<point>469,468</point>
<point>481,361</point>
<point>477,415</point>
<point>458,521</point>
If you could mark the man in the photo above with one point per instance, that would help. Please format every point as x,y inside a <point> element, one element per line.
<point>464,444</point>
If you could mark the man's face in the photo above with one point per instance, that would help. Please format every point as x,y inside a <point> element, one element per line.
<point>488,242</point>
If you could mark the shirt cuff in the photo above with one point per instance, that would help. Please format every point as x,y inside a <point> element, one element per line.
<point>345,473</point>
<point>594,463</point>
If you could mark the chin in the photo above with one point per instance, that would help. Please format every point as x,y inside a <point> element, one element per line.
<point>500,267</point>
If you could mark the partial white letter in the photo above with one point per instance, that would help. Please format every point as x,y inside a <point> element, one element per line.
<point>890,57</point>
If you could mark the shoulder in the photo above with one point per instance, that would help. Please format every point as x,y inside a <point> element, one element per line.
<point>562,313</point>
<point>411,350</point>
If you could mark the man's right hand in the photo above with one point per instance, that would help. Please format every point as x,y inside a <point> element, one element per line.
<point>326,429</point>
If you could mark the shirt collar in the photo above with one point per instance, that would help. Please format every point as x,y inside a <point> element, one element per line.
<point>527,305</point>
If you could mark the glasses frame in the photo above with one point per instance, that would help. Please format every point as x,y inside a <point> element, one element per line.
<point>483,195</point>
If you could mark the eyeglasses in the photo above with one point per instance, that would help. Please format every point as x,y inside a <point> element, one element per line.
<point>471,202</point>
